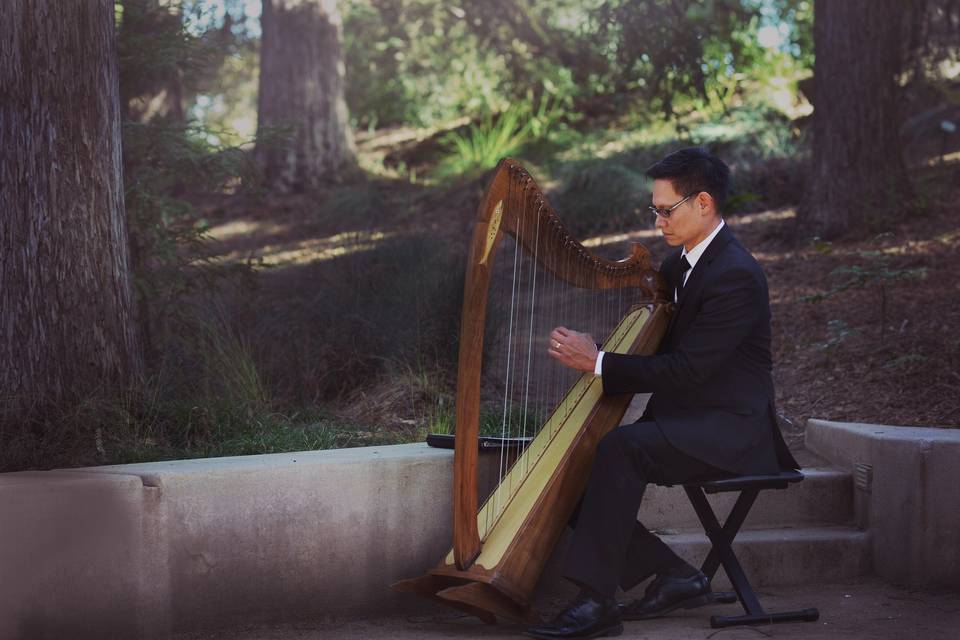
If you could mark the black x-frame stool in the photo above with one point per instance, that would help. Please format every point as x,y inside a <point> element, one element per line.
<point>722,536</point>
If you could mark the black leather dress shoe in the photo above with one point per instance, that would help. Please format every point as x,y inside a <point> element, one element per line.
<point>666,594</point>
<point>586,617</point>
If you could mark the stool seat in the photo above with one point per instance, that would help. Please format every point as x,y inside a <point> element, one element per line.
<point>738,483</point>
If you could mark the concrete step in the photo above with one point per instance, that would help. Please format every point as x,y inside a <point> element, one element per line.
<point>824,497</point>
<point>776,557</point>
<point>786,555</point>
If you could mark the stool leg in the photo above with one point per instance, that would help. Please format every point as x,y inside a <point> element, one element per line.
<point>731,525</point>
<point>722,537</point>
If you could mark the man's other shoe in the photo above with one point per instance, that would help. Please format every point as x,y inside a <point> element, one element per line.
<point>666,594</point>
<point>586,617</point>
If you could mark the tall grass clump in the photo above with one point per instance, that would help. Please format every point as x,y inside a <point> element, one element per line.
<point>204,398</point>
<point>208,398</point>
<point>482,144</point>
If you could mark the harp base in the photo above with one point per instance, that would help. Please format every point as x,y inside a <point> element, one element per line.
<point>473,597</point>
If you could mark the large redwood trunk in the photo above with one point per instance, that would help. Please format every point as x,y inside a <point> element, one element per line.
<point>302,92</point>
<point>66,326</point>
<point>858,173</point>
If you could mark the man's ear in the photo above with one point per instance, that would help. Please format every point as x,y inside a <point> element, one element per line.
<point>705,204</point>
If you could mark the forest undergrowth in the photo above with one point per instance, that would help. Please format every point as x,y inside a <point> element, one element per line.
<point>342,330</point>
<point>363,320</point>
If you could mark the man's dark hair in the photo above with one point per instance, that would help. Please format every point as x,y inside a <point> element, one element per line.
<point>693,170</point>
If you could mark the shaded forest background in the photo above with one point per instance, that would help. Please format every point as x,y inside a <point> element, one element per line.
<point>296,255</point>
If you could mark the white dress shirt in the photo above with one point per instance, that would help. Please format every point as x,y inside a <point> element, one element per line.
<point>693,256</point>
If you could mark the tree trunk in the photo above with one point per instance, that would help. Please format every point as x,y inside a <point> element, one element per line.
<point>66,326</point>
<point>301,94</point>
<point>858,174</point>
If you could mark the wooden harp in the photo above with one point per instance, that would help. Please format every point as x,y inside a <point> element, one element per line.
<point>500,549</point>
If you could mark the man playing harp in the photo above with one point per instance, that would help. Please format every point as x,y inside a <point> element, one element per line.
<point>711,413</point>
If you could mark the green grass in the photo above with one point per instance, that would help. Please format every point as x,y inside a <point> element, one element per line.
<point>492,422</point>
<point>215,432</point>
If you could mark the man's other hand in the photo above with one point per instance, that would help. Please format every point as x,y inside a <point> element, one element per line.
<point>573,349</point>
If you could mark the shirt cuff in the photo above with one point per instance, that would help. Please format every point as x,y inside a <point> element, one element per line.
<point>598,367</point>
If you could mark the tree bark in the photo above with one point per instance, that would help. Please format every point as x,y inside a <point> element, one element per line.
<point>302,92</point>
<point>66,325</point>
<point>858,173</point>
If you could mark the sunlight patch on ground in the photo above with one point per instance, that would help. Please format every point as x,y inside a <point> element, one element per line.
<point>948,238</point>
<point>611,143</point>
<point>767,257</point>
<point>916,247</point>
<point>909,247</point>
<point>237,228</point>
<point>764,216</point>
<point>739,221</point>
<point>390,137</point>
<point>312,249</point>
<point>613,238</point>
<point>938,160</point>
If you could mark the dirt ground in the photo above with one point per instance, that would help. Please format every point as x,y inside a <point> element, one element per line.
<point>861,610</point>
<point>886,352</point>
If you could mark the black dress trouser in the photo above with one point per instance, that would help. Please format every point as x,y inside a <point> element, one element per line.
<point>609,546</point>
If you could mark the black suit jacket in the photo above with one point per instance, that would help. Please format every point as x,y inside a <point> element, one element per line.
<point>711,378</point>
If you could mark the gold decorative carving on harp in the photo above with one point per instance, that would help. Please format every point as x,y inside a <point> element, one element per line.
<point>500,549</point>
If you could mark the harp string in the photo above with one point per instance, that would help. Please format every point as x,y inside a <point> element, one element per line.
<point>512,409</point>
<point>530,336</point>
<point>507,387</point>
<point>543,382</point>
<point>513,352</point>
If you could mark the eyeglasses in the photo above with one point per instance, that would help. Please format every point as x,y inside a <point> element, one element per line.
<point>665,213</point>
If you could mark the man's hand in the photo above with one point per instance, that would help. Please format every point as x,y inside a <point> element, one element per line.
<point>573,349</point>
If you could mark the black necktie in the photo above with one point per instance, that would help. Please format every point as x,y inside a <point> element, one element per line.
<point>684,267</point>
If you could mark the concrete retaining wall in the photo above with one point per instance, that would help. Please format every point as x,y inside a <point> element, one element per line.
<point>147,549</point>
<point>75,557</point>
<point>911,505</point>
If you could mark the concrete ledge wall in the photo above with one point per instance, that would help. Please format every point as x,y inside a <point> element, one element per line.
<point>288,536</point>
<point>912,507</point>
<point>145,550</point>
<point>75,559</point>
